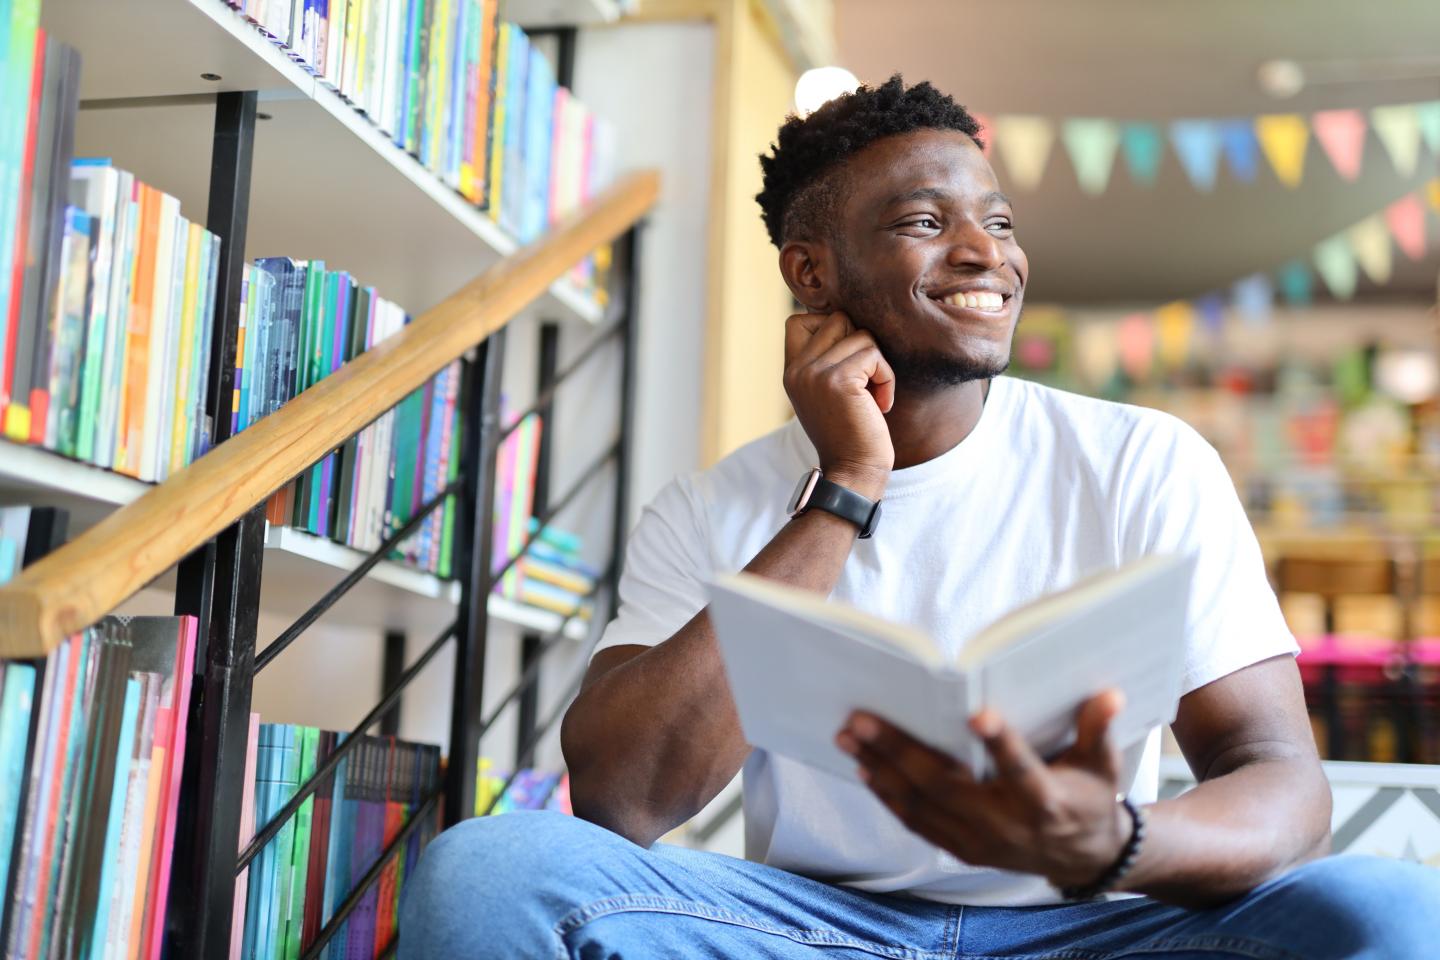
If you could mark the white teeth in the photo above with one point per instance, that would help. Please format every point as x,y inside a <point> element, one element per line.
<point>980,300</point>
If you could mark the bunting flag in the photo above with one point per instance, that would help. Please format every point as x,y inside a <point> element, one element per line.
<point>1335,262</point>
<point>1174,324</point>
<point>1242,151</point>
<point>1399,129</point>
<point>1283,137</point>
<point>1211,308</point>
<point>1197,144</point>
<point>1370,240</point>
<point>1296,283</point>
<point>1095,355</point>
<point>1342,135</point>
<point>987,132</point>
<point>1143,148</point>
<point>1432,192</point>
<point>1253,297</point>
<point>1091,144</point>
<point>1025,142</point>
<point>1406,220</point>
<point>1427,118</point>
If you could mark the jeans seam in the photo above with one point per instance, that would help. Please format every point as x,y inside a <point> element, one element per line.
<point>1243,946</point>
<point>818,937</point>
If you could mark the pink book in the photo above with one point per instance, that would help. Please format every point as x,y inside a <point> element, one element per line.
<point>170,785</point>
<point>505,480</point>
<point>247,830</point>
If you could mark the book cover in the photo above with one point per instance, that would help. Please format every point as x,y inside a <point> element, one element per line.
<point>94,940</point>
<point>17,699</point>
<point>284,842</point>
<point>319,845</point>
<point>307,743</point>
<point>176,443</point>
<point>337,854</point>
<point>512,197</point>
<point>499,116</point>
<point>112,368</point>
<point>539,118</point>
<point>131,414</point>
<point>51,676</point>
<point>158,374</point>
<point>247,831</point>
<point>164,409</point>
<point>122,894</point>
<point>17,73</point>
<point>1124,629</point>
<point>67,354</point>
<point>96,190</point>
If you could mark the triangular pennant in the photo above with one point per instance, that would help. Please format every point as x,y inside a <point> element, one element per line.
<point>987,132</point>
<point>1406,220</point>
<point>1143,149</point>
<point>1211,308</point>
<point>1197,144</point>
<point>1335,262</point>
<point>1096,352</point>
<point>1025,143</point>
<point>1296,283</point>
<point>1137,346</point>
<point>1342,135</point>
<point>1174,326</point>
<point>1091,144</point>
<point>1283,137</point>
<point>1254,298</point>
<point>1432,193</point>
<point>1242,153</point>
<point>1427,118</point>
<point>1399,129</point>
<point>1371,243</point>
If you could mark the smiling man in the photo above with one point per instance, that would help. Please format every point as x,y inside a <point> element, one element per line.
<point>895,237</point>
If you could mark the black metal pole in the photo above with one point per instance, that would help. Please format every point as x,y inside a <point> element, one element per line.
<point>475,507</point>
<point>629,253</point>
<point>219,584</point>
<point>393,666</point>
<point>530,644</point>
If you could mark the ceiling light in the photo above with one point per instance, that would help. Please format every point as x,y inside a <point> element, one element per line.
<point>1281,79</point>
<point>820,85</point>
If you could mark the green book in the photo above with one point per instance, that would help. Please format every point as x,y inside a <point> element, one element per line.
<point>445,568</point>
<point>407,444</point>
<point>323,348</point>
<point>284,842</point>
<point>307,739</point>
<point>306,370</point>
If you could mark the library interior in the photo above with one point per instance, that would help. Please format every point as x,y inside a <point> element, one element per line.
<point>745,476</point>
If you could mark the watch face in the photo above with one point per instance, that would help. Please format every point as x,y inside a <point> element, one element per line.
<point>801,497</point>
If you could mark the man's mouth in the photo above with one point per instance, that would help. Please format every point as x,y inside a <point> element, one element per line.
<point>982,300</point>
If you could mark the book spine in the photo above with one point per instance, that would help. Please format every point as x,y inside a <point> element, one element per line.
<point>181,401</point>
<point>93,945</point>
<point>96,190</point>
<point>112,373</point>
<point>17,71</point>
<point>20,345</point>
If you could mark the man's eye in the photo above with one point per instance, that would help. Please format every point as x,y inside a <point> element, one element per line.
<point>925,223</point>
<point>1001,225</point>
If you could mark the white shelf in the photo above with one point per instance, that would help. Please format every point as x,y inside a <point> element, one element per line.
<point>326,183</point>
<point>560,13</point>
<point>298,568</point>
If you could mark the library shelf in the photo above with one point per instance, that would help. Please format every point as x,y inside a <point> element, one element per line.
<point>327,183</point>
<point>298,566</point>
<point>562,13</point>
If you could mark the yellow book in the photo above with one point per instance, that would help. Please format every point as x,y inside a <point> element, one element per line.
<point>180,403</point>
<point>497,125</point>
<point>362,49</point>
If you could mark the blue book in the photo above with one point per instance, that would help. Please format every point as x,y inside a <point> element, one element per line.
<point>512,183</point>
<point>95,946</point>
<point>287,762</point>
<point>254,898</point>
<point>539,123</point>
<point>16,702</point>
<point>334,888</point>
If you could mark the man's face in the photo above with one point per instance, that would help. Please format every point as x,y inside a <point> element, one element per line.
<point>927,257</point>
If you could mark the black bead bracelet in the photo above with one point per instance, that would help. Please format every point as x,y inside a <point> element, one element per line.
<point>1122,863</point>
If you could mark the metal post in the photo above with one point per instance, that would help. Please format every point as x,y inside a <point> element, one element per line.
<point>480,422</point>
<point>219,584</point>
<point>528,711</point>
<point>629,255</point>
<point>394,665</point>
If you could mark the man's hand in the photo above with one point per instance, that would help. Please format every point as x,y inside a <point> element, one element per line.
<point>841,389</point>
<point>1059,820</point>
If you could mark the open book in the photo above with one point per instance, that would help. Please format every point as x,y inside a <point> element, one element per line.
<point>798,664</point>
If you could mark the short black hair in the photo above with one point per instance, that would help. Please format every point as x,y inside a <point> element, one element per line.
<point>799,194</point>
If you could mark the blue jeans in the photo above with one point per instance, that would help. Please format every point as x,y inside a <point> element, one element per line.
<point>546,885</point>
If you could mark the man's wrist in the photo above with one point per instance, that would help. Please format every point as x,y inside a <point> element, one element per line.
<point>868,482</point>
<point>1119,867</point>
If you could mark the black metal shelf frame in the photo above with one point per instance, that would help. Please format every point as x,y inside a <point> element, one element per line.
<point>220,585</point>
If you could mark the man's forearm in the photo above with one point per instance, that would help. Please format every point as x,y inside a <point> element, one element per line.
<point>1233,832</point>
<point>652,740</point>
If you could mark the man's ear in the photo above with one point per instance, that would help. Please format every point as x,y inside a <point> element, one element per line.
<point>809,271</point>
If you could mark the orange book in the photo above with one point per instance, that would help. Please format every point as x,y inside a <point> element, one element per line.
<point>137,336</point>
<point>180,403</point>
<point>147,833</point>
<point>385,920</point>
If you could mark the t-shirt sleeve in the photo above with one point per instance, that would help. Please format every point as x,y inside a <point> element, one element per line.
<point>666,569</point>
<point>1189,504</point>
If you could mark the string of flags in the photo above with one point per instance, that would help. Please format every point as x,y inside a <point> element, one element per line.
<point>1204,146</point>
<point>1366,247</point>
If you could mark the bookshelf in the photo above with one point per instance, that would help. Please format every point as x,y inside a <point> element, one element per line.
<point>298,565</point>
<point>145,104</point>
<point>562,13</point>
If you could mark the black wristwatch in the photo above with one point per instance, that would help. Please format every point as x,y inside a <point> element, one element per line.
<point>814,492</point>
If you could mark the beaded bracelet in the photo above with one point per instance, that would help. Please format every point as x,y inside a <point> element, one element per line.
<point>1122,864</point>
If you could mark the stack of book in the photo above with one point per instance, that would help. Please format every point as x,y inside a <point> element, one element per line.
<point>299,323</point>
<point>301,877</point>
<point>466,94</point>
<point>552,574</point>
<point>91,746</point>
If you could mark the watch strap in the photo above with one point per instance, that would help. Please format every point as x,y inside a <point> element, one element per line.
<point>847,504</point>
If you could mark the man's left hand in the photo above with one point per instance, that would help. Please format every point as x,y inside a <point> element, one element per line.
<point>1058,819</point>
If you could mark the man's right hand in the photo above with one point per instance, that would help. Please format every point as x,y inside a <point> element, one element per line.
<point>841,388</point>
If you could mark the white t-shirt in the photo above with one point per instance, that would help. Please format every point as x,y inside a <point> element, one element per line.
<point>1049,487</point>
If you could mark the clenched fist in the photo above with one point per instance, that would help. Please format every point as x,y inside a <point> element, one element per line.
<point>841,388</point>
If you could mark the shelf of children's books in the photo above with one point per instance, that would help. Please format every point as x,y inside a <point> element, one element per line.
<point>327,183</point>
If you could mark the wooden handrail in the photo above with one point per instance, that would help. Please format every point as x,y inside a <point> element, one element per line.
<point>79,583</point>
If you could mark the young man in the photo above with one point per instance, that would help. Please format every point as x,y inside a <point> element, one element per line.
<point>895,237</point>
